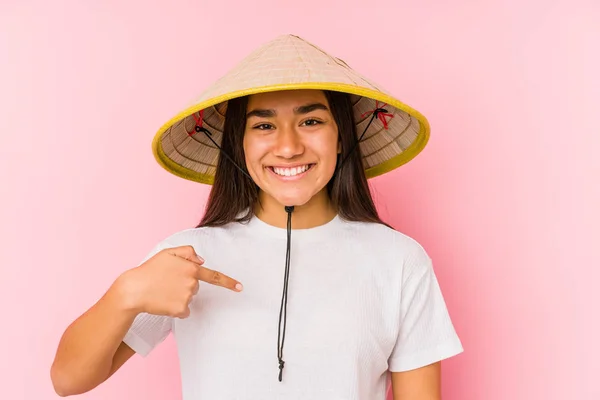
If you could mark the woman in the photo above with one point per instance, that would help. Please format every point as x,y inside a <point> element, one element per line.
<point>290,252</point>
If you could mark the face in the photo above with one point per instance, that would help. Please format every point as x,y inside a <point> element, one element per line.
<point>291,144</point>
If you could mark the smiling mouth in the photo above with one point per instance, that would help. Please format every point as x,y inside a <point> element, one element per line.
<point>289,172</point>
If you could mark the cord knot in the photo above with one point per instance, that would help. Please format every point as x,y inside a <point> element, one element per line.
<point>380,113</point>
<point>281,363</point>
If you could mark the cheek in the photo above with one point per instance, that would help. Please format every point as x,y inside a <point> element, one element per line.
<point>254,150</point>
<point>327,148</point>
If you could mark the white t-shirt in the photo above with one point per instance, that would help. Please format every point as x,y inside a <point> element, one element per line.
<point>363,299</point>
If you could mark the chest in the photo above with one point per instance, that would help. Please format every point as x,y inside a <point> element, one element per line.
<point>341,307</point>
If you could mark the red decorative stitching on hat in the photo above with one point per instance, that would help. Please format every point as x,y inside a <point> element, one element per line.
<point>199,121</point>
<point>380,113</point>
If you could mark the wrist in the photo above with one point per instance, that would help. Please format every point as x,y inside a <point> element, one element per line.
<point>124,296</point>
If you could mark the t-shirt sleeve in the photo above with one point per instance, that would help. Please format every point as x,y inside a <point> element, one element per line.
<point>426,334</point>
<point>148,330</point>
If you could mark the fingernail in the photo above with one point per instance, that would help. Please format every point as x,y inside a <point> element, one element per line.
<point>239,286</point>
<point>200,258</point>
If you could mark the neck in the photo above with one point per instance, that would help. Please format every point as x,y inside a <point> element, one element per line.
<point>318,211</point>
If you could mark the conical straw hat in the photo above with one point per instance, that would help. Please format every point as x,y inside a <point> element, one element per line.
<point>289,62</point>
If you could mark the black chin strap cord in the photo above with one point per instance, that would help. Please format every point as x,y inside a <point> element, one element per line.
<point>378,112</point>
<point>284,296</point>
<point>208,134</point>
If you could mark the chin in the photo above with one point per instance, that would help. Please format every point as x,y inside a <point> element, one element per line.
<point>293,199</point>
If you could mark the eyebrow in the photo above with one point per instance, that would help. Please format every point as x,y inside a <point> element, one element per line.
<point>305,109</point>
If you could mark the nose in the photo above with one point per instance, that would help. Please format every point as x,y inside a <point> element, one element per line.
<point>288,143</point>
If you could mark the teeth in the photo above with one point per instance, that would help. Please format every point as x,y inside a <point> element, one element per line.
<point>290,171</point>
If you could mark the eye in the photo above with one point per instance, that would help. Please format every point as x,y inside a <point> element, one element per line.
<point>263,127</point>
<point>312,122</point>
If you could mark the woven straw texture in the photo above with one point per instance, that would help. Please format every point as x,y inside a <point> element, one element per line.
<point>289,62</point>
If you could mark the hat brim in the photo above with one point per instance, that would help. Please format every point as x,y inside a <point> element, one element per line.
<point>394,162</point>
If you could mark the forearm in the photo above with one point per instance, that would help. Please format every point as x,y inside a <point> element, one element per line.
<point>85,353</point>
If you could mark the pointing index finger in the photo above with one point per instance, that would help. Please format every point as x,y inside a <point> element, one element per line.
<point>217,278</point>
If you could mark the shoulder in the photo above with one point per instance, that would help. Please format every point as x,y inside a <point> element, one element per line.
<point>386,240</point>
<point>197,236</point>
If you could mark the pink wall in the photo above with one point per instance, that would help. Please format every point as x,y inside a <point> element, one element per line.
<point>506,196</point>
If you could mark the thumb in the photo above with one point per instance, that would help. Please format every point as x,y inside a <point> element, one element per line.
<point>197,259</point>
<point>188,253</point>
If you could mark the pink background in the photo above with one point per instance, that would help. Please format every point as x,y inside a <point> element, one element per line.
<point>506,197</point>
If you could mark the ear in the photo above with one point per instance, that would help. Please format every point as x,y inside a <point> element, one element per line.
<point>339,146</point>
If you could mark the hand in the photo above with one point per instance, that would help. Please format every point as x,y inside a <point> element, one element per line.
<point>166,283</point>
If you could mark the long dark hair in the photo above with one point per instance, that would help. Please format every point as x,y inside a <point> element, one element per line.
<point>233,193</point>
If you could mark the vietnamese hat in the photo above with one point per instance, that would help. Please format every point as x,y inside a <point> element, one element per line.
<point>394,137</point>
